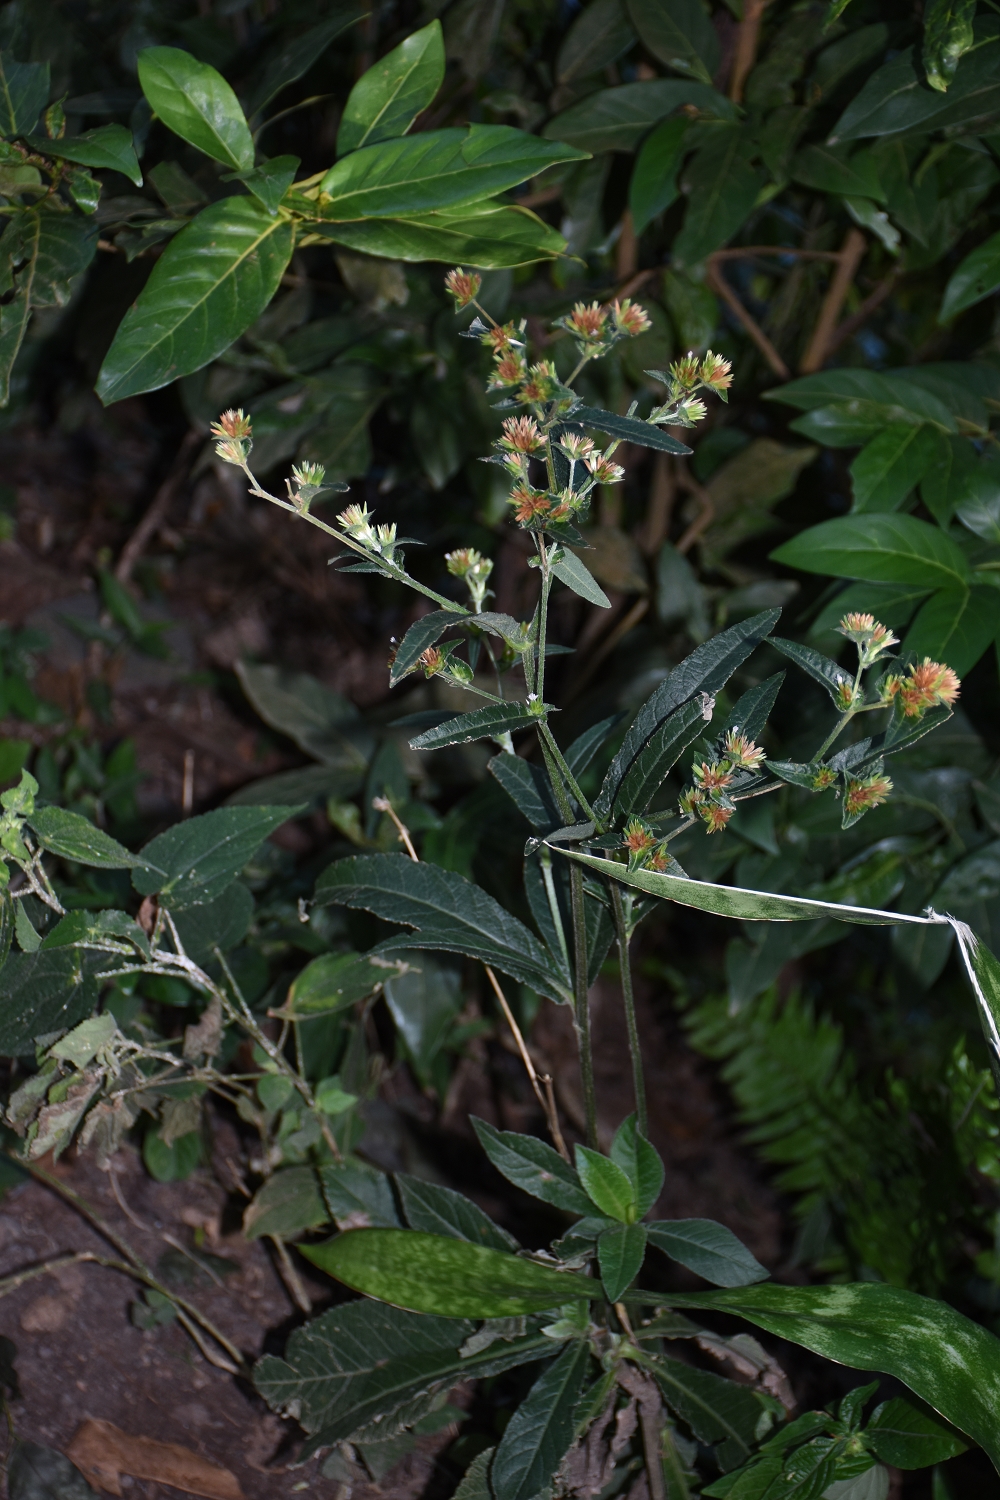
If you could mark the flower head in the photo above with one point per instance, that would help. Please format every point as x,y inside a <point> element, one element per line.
<point>588,321</point>
<point>686,372</point>
<point>356,521</point>
<point>630,318</point>
<point>471,565</point>
<point>741,752</point>
<point>510,370</point>
<point>529,504</point>
<point>235,437</point>
<point>603,470</point>
<point>463,285</point>
<point>846,694</point>
<point>689,412</point>
<point>712,778</point>
<point>823,778</point>
<point>521,435</point>
<point>870,637</point>
<point>306,483</point>
<point>715,815</point>
<point>576,446</point>
<point>638,836</point>
<point>432,660</point>
<point>689,801</point>
<point>716,373</point>
<point>501,337</point>
<point>927,684</point>
<point>862,795</point>
<point>542,382</point>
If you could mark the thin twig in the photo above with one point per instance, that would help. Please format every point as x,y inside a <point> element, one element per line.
<point>158,508</point>
<point>850,326</point>
<point>705,516</point>
<point>746,54</point>
<point>290,1275</point>
<point>851,255</point>
<point>718,283</point>
<point>383,805</point>
<point>546,1099</point>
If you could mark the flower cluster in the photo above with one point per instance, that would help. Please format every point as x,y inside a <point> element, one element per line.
<point>645,850</point>
<point>464,286</point>
<point>927,684</point>
<point>864,793</point>
<point>471,565</point>
<point>235,437</point>
<point>683,379</point>
<point>597,329</point>
<point>306,483</point>
<point>381,540</point>
<point>709,798</point>
<point>871,638</point>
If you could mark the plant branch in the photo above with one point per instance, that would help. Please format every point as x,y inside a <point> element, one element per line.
<point>628,999</point>
<point>546,1099</point>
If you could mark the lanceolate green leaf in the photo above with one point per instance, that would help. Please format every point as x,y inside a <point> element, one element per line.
<point>482,723</point>
<point>947,1360</point>
<point>213,280</point>
<point>193,862</point>
<point>723,186</point>
<point>386,100</point>
<point>679,33</point>
<point>889,467</point>
<point>539,1433</point>
<point>653,186</point>
<point>597,38</point>
<point>976,277</point>
<point>24,93</point>
<point>620,1253</point>
<point>110,147</point>
<point>710,1249</point>
<point>716,1410</point>
<point>533,1166</point>
<point>435,170</point>
<point>41,251</point>
<point>880,548</point>
<point>489,235</point>
<point>628,429</point>
<point>616,119</point>
<point>955,626</point>
<point>440,1210</point>
<point>645,775</point>
<point>888,396</point>
<point>606,1185</point>
<point>895,100</point>
<point>433,1273</point>
<point>910,1437</point>
<point>196,103</point>
<point>285,63</point>
<point>526,785</point>
<point>819,667</point>
<point>449,912</point>
<point>575,574</point>
<point>75,837</point>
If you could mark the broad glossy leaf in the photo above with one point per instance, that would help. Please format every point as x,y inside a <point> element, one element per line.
<point>109,147</point>
<point>607,1185</point>
<point>598,37</point>
<point>641,1163</point>
<point>979,510</point>
<point>196,103</point>
<point>895,99</point>
<point>709,1249</point>
<point>489,235</point>
<point>440,1210</point>
<point>449,912</point>
<point>213,280</point>
<point>24,93</point>
<point>538,1435</point>
<point>96,929</point>
<point>289,60</point>
<point>533,1166</point>
<point>628,429</point>
<point>194,861</point>
<point>321,722</point>
<point>883,397</point>
<point>437,169</point>
<point>359,1196</point>
<point>653,186</point>
<point>270,181</point>
<point>75,837</point>
<point>831,169</point>
<point>735,901</point>
<point>819,667</point>
<point>432,1273</point>
<point>976,277</point>
<point>578,577</point>
<point>288,1203</point>
<point>722,185</point>
<point>620,1254</point>
<point>386,100</point>
<point>43,992</point>
<point>483,723</point>
<point>705,671</point>
<point>41,252</point>
<point>716,1410</point>
<point>527,786</point>
<point>680,33</point>
<point>334,981</point>
<point>889,467</point>
<point>947,1360</point>
<point>880,548</point>
<point>955,626</point>
<point>616,119</point>
<point>910,1437</point>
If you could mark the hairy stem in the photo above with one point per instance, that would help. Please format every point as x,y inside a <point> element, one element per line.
<point>565,771</point>
<point>628,999</point>
<point>582,1000</point>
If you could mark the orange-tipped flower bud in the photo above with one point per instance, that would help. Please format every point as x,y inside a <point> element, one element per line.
<point>463,285</point>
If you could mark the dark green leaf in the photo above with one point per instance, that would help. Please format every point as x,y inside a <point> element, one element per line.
<point>641,1163</point>
<point>578,577</point>
<point>289,60</point>
<point>752,709</point>
<point>581,752</point>
<point>38,1473</point>
<point>880,397</point>
<point>627,429</point>
<point>41,993</point>
<point>947,1360</point>
<point>533,1166</point>
<point>193,862</point>
<point>423,633</point>
<point>437,169</point>
<point>955,626</point>
<point>334,981</point>
<point>979,509</point>
<point>527,786</point>
<point>489,235</point>
<point>475,1482</point>
<point>424,1003</point>
<point>662,751</point>
<point>41,252</point>
<point>196,103</point>
<point>880,548</point>
<point>705,671</point>
<point>96,929</point>
<point>709,1249</point>
<point>653,186</point>
<point>72,836</point>
<point>680,33</point>
<point>538,1435</point>
<point>6,924</point>
<point>976,277</point>
<point>597,38</point>
<point>830,169</point>
<point>433,1273</point>
<point>716,1410</point>
<point>302,787</point>
<point>909,1436</point>
<point>620,1253</point>
<point>617,119</point>
<point>895,99</point>
<point>358,1196</point>
<point>271,180</point>
<point>723,186</point>
<point>449,912</point>
<point>488,722</point>
<point>221,923</point>
<point>213,280</point>
<point>891,465</point>
<point>321,721</point>
<point>440,1210</point>
<point>819,667</point>
<point>947,37</point>
<point>606,1185</point>
<point>24,93</point>
<point>109,146</point>
<point>386,100</point>
<point>288,1203</point>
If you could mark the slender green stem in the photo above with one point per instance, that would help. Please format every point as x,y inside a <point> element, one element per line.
<point>545,860</point>
<point>581,990</point>
<point>565,771</point>
<point>543,622</point>
<point>841,723</point>
<point>628,1000</point>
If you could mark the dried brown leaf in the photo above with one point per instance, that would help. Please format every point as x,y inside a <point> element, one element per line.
<point>103,1453</point>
